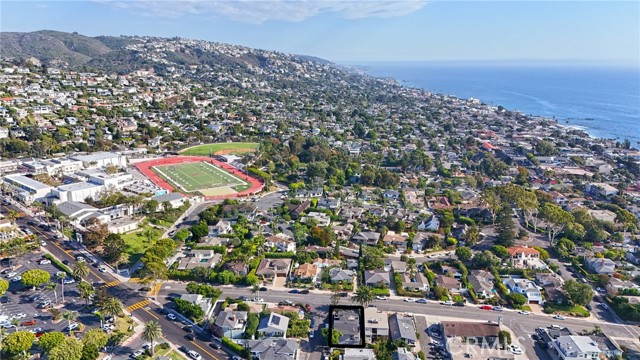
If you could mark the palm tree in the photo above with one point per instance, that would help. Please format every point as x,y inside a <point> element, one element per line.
<point>61,276</point>
<point>81,271</point>
<point>86,291</point>
<point>53,286</point>
<point>255,288</point>
<point>152,332</point>
<point>70,316</point>
<point>113,307</point>
<point>363,296</point>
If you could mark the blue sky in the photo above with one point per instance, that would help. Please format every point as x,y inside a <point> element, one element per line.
<point>602,32</point>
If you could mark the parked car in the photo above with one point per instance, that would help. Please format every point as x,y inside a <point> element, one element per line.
<point>421,301</point>
<point>381,297</point>
<point>194,355</point>
<point>45,304</point>
<point>410,300</point>
<point>310,334</point>
<point>459,303</point>
<point>215,345</point>
<point>448,303</point>
<point>11,274</point>
<point>17,278</point>
<point>29,323</point>
<point>190,337</point>
<point>486,307</point>
<point>68,280</point>
<point>558,317</point>
<point>136,353</point>
<point>515,349</point>
<point>498,308</point>
<point>171,317</point>
<point>263,288</point>
<point>523,312</point>
<point>294,291</point>
<point>188,328</point>
<point>5,300</point>
<point>604,306</point>
<point>304,291</point>
<point>44,262</point>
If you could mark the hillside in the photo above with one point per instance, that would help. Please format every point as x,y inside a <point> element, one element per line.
<point>48,46</point>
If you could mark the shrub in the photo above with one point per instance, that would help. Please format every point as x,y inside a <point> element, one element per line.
<point>235,347</point>
<point>188,309</point>
<point>279,255</point>
<point>204,290</point>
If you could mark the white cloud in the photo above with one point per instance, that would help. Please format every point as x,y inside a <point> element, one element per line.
<point>259,11</point>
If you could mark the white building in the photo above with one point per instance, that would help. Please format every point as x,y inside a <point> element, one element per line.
<point>52,167</point>
<point>525,287</point>
<point>78,191</point>
<point>101,159</point>
<point>27,189</point>
<point>576,348</point>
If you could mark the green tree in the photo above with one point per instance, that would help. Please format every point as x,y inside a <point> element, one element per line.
<point>226,277</point>
<point>4,286</point>
<point>18,342</point>
<point>556,218</point>
<point>504,226</point>
<point>68,349</point>
<point>70,316</point>
<point>112,306</point>
<point>463,253</point>
<point>492,200</point>
<point>151,333</point>
<point>35,277</point>
<point>504,338</point>
<point>544,254</point>
<point>113,245</point>
<point>578,293</point>
<point>49,340</point>
<point>199,230</point>
<point>81,270</point>
<point>95,337</point>
<point>485,260</point>
<point>363,295</point>
<point>90,352</point>
<point>516,299</point>
<point>86,291</point>
<point>182,235</point>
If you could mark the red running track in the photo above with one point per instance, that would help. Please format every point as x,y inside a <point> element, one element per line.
<point>145,168</point>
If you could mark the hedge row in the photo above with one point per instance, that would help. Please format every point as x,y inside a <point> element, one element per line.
<point>235,347</point>
<point>402,291</point>
<point>57,263</point>
<point>279,255</point>
<point>380,292</point>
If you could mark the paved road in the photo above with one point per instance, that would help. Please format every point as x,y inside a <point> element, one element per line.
<point>522,325</point>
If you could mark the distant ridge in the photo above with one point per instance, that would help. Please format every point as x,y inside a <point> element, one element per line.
<point>110,53</point>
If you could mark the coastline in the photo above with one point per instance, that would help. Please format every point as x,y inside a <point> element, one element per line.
<point>602,113</point>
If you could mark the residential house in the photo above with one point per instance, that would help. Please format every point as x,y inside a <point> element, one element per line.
<point>231,324</point>
<point>220,228</point>
<point>366,237</point>
<point>237,267</point>
<point>339,275</point>
<point>525,287</point>
<point>391,194</point>
<point>474,332</point>
<point>321,263</point>
<point>358,354</point>
<point>399,241</point>
<point>417,283</point>
<point>274,325</point>
<point>376,324</point>
<point>432,223</point>
<point>273,349</point>
<point>199,258</point>
<point>401,327</point>
<point>402,354</point>
<point>295,211</point>
<point>482,283</point>
<point>203,302</point>
<point>602,265</point>
<point>305,272</point>
<point>552,286</point>
<point>574,347</point>
<point>452,285</point>
<point>172,200</point>
<point>329,203</point>
<point>270,268</point>
<point>615,285</point>
<point>525,257</point>
<point>343,232</point>
<point>398,266</point>
<point>379,277</point>
<point>321,219</point>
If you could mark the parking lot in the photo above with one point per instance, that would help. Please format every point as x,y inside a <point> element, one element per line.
<point>22,303</point>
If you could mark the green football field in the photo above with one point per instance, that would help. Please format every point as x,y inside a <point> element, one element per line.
<point>196,176</point>
<point>227,148</point>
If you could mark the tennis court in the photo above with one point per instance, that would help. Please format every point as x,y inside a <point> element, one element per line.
<point>197,176</point>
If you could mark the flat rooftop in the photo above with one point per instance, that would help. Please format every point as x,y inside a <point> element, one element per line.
<point>28,182</point>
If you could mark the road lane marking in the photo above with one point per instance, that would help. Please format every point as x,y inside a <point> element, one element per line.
<point>138,305</point>
<point>110,284</point>
<point>203,349</point>
<point>150,313</point>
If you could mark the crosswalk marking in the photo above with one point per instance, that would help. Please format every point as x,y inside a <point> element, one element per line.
<point>135,280</point>
<point>110,284</point>
<point>155,289</point>
<point>138,305</point>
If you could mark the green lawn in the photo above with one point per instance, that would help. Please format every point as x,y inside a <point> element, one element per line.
<point>209,149</point>
<point>196,176</point>
<point>137,243</point>
<point>570,310</point>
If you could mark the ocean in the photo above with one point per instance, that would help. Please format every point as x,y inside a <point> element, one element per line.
<point>604,102</point>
